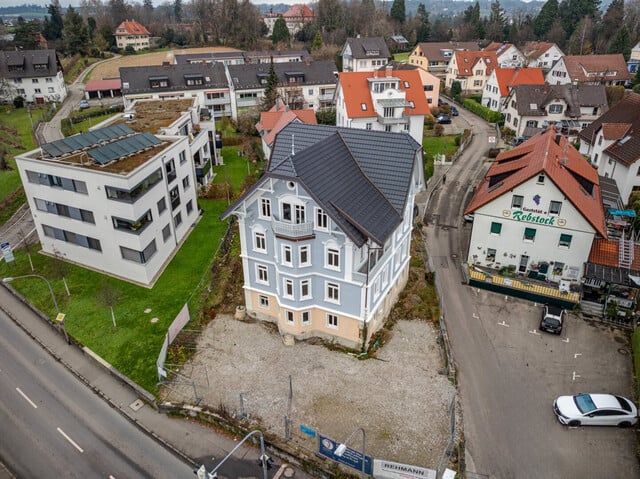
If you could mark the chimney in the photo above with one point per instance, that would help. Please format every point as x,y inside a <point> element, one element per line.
<point>308,61</point>
<point>558,136</point>
<point>388,70</point>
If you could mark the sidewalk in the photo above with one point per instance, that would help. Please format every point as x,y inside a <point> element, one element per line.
<point>195,443</point>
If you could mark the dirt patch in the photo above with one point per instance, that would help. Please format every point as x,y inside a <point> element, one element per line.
<point>110,69</point>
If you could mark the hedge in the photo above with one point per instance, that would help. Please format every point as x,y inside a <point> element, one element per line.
<point>482,111</point>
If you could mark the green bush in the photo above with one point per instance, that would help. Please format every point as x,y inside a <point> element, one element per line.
<point>482,111</point>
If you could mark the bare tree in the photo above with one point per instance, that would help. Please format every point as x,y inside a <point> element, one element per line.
<point>109,296</point>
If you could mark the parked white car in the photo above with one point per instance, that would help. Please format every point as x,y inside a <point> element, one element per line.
<point>595,410</point>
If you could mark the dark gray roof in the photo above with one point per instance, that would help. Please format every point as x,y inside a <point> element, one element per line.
<point>610,274</point>
<point>532,100</point>
<point>245,77</point>
<point>367,47</point>
<point>20,64</point>
<point>360,177</point>
<point>241,57</point>
<point>137,79</point>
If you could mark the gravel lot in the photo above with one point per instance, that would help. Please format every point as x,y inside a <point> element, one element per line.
<point>400,399</point>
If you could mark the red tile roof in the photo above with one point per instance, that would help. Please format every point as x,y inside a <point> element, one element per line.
<point>580,66</point>
<point>467,60</point>
<point>562,163</point>
<point>280,116</point>
<point>615,131</point>
<point>510,77</point>
<point>299,11</point>
<point>533,50</point>
<point>101,85</point>
<point>355,90</point>
<point>131,28</point>
<point>606,252</point>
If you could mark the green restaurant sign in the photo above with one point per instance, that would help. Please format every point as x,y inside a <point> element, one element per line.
<point>529,217</point>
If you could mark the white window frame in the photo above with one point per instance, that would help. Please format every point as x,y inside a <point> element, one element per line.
<point>262,274</point>
<point>259,241</point>
<point>332,257</point>
<point>321,219</point>
<point>305,283</point>
<point>287,250</point>
<point>263,301</point>
<point>303,315</point>
<point>332,292</point>
<point>265,208</point>
<point>332,320</point>
<point>289,317</point>
<point>306,248</point>
<point>558,204</point>
<point>287,289</point>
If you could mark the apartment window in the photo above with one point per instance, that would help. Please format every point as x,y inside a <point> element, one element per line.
<point>293,213</point>
<point>288,289</point>
<point>70,237</point>
<point>517,201</point>
<point>130,196</point>
<point>333,258</point>
<point>265,208</point>
<point>289,317</point>
<point>166,233</point>
<point>260,241</point>
<point>57,181</point>
<point>600,140</point>
<point>387,128</point>
<point>532,123</point>
<point>555,108</point>
<point>333,292</point>
<point>491,255</point>
<point>332,321</point>
<point>262,274</point>
<point>305,318</point>
<point>322,219</point>
<point>496,228</point>
<point>174,196</point>
<point>264,301</point>
<point>305,258</point>
<point>369,126</point>
<point>287,255</point>
<point>185,183</point>
<point>305,289</point>
<point>555,207</point>
<point>189,206</point>
<point>162,205</point>
<point>182,156</point>
<point>529,234</point>
<point>132,226</point>
<point>541,179</point>
<point>170,169</point>
<point>565,241</point>
<point>177,219</point>
<point>387,112</point>
<point>141,257</point>
<point>34,80</point>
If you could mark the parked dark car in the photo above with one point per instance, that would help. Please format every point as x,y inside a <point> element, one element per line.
<point>443,119</point>
<point>454,111</point>
<point>552,319</point>
<point>441,102</point>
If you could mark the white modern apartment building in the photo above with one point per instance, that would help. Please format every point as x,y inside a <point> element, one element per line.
<point>112,200</point>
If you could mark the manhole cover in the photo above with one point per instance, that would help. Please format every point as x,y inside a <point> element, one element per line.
<point>454,256</point>
<point>154,320</point>
<point>136,405</point>
<point>623,351</point>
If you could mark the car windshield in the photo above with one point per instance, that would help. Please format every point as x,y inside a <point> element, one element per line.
<point>551,321</point>
<point>584,403</point>
<point>623,403</point>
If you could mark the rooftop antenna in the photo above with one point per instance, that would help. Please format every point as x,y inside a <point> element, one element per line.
<point>293,149</point>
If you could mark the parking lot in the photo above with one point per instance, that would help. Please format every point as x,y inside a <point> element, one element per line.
<point>536,367</point>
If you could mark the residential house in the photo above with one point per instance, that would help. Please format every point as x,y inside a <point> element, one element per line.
<point>300,85</point>
<point>541,54</point>
<point>507,55</point>
<point>529,108</point>
<point>590,70</point>
<point>502,80</point>
<point>208,82</point>
<point>471,69</point>
<point>538,209</point>
<point>296,17</point>
<point>434,57</point>
<point>241,58</point>
<point>112,200</point>
<point>35,75</point>
<point>399,43</point>
<point>325,232</point>
<point>430,82</point>
<point>389,100</point>
<point>107,88</point>
<point>132,34</point>
<point>613,144</point>
<point>634,59</point>
<point>364,54</point>
<point>274,120</point>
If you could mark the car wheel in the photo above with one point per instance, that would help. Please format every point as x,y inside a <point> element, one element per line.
<point>624,424</point>
<point>574,423</point>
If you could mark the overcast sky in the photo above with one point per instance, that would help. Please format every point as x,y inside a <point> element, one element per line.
<point>75,3</point>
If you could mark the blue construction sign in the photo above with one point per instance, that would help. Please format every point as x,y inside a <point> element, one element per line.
<point>351,457</point>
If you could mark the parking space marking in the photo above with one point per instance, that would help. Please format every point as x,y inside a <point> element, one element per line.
<point>575,356</point>
<point>575,376</point>
<point>565,340</point>
<point>535,332</point>
<point>476,316</point>
<point>503,324</point>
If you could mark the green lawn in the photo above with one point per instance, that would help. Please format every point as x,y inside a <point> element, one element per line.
<point>401,57</point>
<point>433,145</point>
<point>84,125</point>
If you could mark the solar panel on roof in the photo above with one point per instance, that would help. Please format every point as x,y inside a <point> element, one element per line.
<point>83,140</point>
<point>127,146</point>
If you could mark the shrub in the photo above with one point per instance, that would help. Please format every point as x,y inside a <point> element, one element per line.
<point>439,129</point>
<point>429,122</point>
<point>482,111</point>
<point>129,50</point>
<point>493,152</point>
<point>18,102</point>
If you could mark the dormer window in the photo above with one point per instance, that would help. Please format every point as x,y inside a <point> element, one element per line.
<point>406,84</point>
<point>192,80</point>
<point>555,108</point>
<point>40,66</point>
<point>363,106</point>
<point>158,82</point>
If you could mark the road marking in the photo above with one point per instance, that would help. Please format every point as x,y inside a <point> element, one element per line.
<point>565,340</point>
<point>111,477</point>
<point>535,332</point>
<point>503,324</point>
<point>575,376</point>
<point>576,355</point>
<point>506,298</point>
<point>27,398</point>
<point>476,316</point>
<point>280,471</point>
<point>70,440</point>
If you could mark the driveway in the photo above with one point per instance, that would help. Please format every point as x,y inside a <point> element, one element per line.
<point>508,375</point>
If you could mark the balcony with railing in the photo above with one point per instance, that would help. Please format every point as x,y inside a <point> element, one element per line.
<point>292,230</point>
<point>393,120</point>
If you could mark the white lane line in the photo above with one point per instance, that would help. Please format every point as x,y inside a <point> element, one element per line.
<point>111,477</point>
<point>575,356</point>
<point>503,324</point>
<point>27,398</point>
<point>70,440</point>
<point>535,332</point>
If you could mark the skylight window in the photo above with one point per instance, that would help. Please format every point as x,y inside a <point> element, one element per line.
<point>624,140</point>
<point>363,106</point>
<point>406,84</point>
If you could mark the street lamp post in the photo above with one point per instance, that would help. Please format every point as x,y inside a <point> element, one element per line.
<point>343,447</point>
<point>53,297</point>
<point>202,472</point>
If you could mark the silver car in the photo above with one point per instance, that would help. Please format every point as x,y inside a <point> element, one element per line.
<point>595,410</point>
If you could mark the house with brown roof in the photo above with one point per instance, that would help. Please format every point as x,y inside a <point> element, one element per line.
<point>430,82</point>
<point>502,80</point>
<point>434,57</point>
<point>539,208</point>
<point>471,69</point>
<point>389,100</point>
<point>296,17</point>
<point>589,70</point>
<point>364,54</point>
<point>279,116</point>
<point>541,54</point>
<point>35,75</point>
<point>527,108</point>
<point>613,144</point>
<point>507,54</point>
<point>132,34</point>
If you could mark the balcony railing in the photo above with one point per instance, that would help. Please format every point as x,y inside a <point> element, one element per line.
<point>292,230</point>
<point>202,171</point>
<point>393,120</point>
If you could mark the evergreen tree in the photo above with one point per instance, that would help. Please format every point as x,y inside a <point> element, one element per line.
<point>547,15</point>
<point>610,25</point>
<point>476,21</point>
<point>53,24</point>
<point>317,42</point>
<point>271,90</point>
<point>280,32</point>
<point>621,43</point>
<point>75,33</point>
<point>423,31</point>
<point>496,24</point>
<point>572,11</point>
<point>118,11</point>
<point>398,12</point>
<point>177,10</point>
<point>26,35</point>
<point>91,27</point>
<point>330,15</point>
<point>456,90</point>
